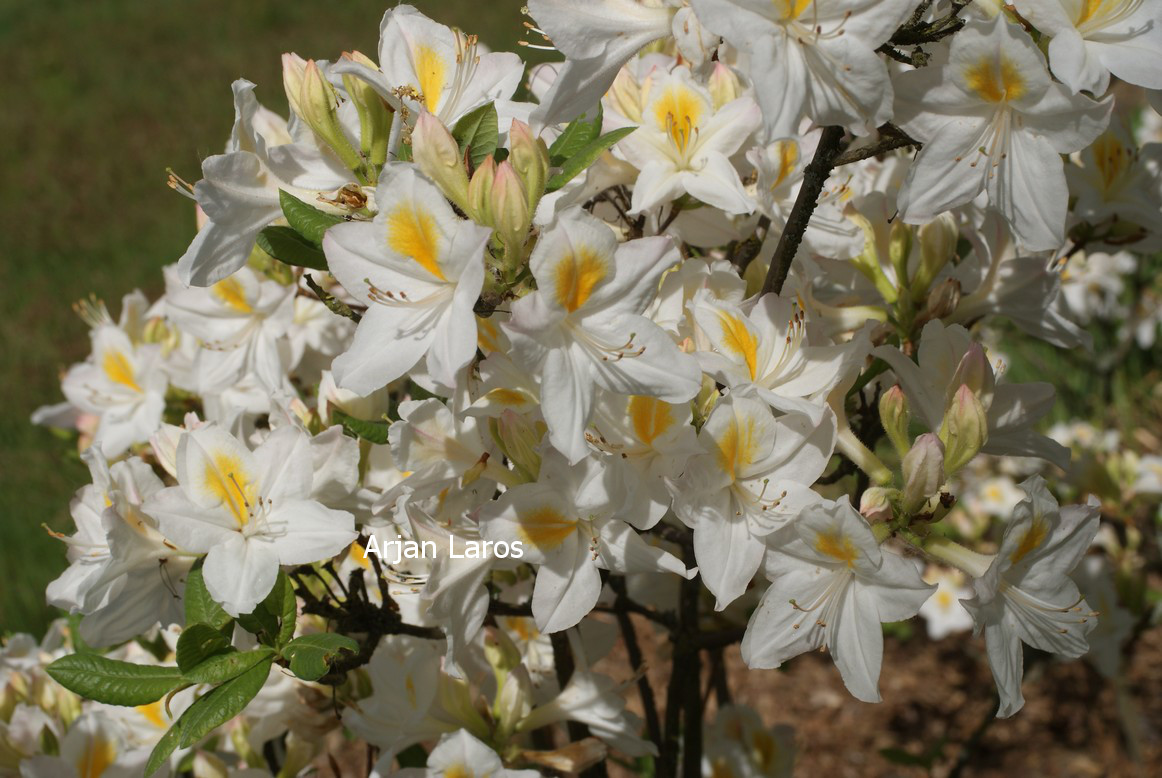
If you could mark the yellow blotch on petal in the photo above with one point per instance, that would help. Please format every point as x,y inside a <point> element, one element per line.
<point>430,70</point>
<point>358,555</point>
<point>766,749</point>
<point>787,152</point>
<point>577,275</point>
<point>458,771</point>
<point>545,528</point>
<point>97,757</point>
<point>232,294</point>
<point>739,340</point>
<point>1088,10</point>
<point>227,480</point>
<point>154,713</point>
<point>791,9</point>
<point>412,232</point>
<point>837,546</point>
<point>944,599</point>
<point>1034,536</point>
<point>651,417</point>
<point>1111,158</point>
<point>995,82</point>
<point>117,368</point>
<point>736,447</point>
<point>678,112</point>
<point>509,396</point>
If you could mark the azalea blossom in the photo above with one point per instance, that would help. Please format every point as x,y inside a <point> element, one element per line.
<point>992,120</point>
<point>248,511</point>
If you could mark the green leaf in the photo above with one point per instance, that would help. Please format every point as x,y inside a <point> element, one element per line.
<point>310,655</point>
<point>166,746</point>
<point>478,132</point>
<point>200,606</point>
<point>576,136</point>
<point>306,219</point>
<point>222,704</point>
<point>412,756</point>
<point>113,682</point>
<point>586,157</point>
<point>221,668</point>
<point>286,245</point>
<point>199,642</point>
<point>374,431</point>
<point>269,620</point>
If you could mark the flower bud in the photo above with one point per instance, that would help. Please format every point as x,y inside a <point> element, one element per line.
<point>480,193</point>
<point>437,154</point>
<point>899,249</point>
<point>937,246</point>
<point>975,372</point>
<point>318,107</point>
<point>293,68</point>
<point>964,430</point>
<point>876,503</point>
<point>520,439</point>
<point>894,417</point>
<point>530,158</point>
<point>626,96</point>
<point>513,702</point>
<point>510,206</point>
<point>374,115</point>
<point>923,470</point>
<point>724,85</point>
<point>943,299</point>
<point>868,260</point>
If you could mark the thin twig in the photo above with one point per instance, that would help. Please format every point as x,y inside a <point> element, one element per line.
<point>636,661</point>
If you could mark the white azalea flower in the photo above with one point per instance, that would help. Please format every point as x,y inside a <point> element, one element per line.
<point>751,477</point>
<point>1093,38</point>
<point>991,120</point>
<point>1026,595</point>
<point>942,612</point>
<point>583,326</point>
<point>248,511</point>
<point>685,142</point>
<point>459,755</point>
<point>419,268</point>
<point>832,586</point>
<point>813,57</point>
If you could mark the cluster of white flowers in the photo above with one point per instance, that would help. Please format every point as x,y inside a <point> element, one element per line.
<point>700,316</point>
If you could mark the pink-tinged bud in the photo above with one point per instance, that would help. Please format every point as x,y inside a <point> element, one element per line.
<point>923,469</point>
<point>436,153</point>
<point>894,417</point>
<point>964,430</point>
<point>530,158</point>
<point>318,107</point>
<point>876,503</point>
<point>937,246</point>
<point>480,192</point>
<point>293,68</point>
<point>724,85</point>
<point>374,115</point>
<point>510,206</point>
<point>975,372</point>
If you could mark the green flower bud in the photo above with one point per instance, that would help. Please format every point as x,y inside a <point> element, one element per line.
<point>937,246</point>
<point>438,156</point>
<point>975,372</point>
<point>317,105</point>
<point>923,470</point>
<point>876,503</point>
<point>894,416</point>
<point>899,249</point>
<point>480,193</point>
<point>530,158</point>
<point>510,206</point>
<point>964,430</point>
<point>374,115</point>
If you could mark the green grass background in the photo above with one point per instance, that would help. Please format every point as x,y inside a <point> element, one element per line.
<point>97,99</point>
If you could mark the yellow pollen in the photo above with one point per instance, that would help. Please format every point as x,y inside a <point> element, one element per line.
<point>98,756</point>
<point>1032,539</point>
<point>226,479</point>
<point>837,546</point>
<point>412,232</point>
<point>119,371</point>
<point>651,417</point>
<point>430,69</point>
<point>231,293</point>
<point>739,340</point>
<point>678,112</point>
<point>577,275</point>
<point>993,83</point>
<point>545,528</point>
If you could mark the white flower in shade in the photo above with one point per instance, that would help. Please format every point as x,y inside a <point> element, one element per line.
<point>248,511</point>
<point>239,191</point>
<point>95,745</point>
<point>584,325</point>
<point>767,352</point>
<point>443,68</point>
<point>1093,38</point>
<point>753,475</point>
<point>813,57</point>
<point>419,268</point>
<point>992,120</point>
<point>1026,595</point>
<point>739,744</point>
<point>570,524</point>
<point>685,142</point>
<point>832,586</point>
<point>459,755</point>
<point>240,324</point>
<point>1095,577</point>
<point>1149,476</point>
<point>942,612</point>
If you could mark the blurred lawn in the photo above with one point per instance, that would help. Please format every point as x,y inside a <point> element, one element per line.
<point>99,99</point>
